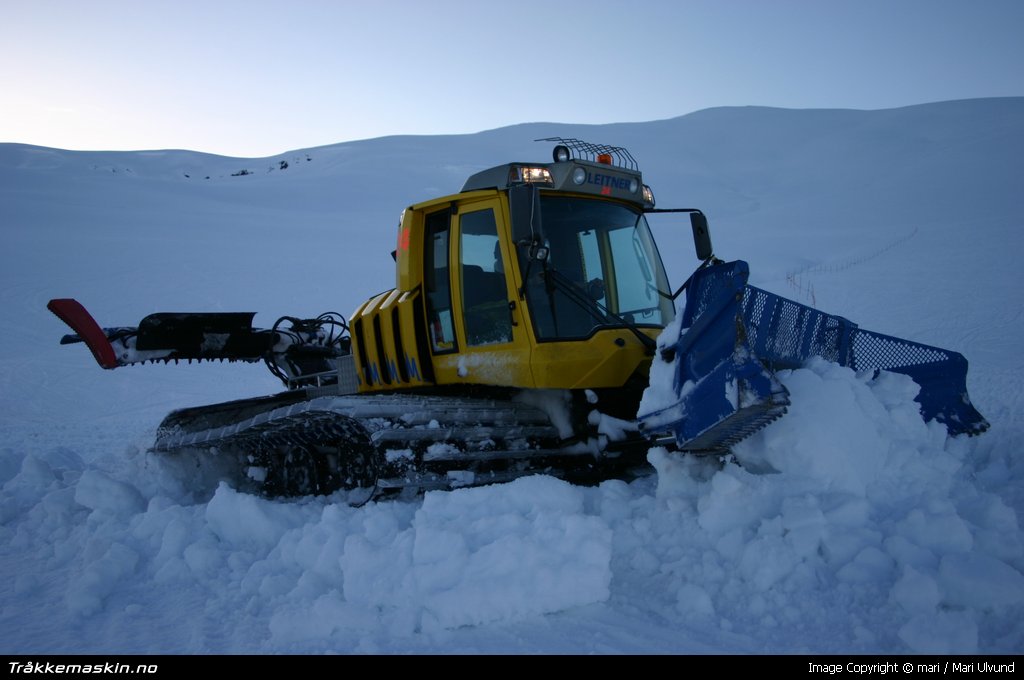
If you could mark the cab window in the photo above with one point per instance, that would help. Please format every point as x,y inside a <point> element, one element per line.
<point>484,291</point>
<point>436,282</point>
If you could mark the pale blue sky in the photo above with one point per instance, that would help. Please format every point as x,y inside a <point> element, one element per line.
<point>259,77</point>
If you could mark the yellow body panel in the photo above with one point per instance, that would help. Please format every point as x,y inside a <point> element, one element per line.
<point>597,362</point>
<point>384,343</point>
<point>392,343</point>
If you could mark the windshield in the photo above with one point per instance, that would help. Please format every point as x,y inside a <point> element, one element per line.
<point>606,251</point>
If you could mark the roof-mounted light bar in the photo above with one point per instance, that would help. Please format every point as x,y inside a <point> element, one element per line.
<point>609,171</point>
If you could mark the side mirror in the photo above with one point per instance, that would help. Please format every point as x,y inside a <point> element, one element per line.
<point>701,235</point>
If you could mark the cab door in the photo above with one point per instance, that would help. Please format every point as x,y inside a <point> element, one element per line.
<point>491,346</point>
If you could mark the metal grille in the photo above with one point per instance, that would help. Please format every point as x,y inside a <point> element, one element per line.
<point>590,152</point>
<point>874,350</point>
<point>708,287</point>
<point>786,333</point>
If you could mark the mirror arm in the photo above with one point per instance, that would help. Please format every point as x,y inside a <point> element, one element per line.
<point>699,224</point>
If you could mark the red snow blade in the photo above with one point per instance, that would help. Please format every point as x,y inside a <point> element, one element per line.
<point>75,315</point>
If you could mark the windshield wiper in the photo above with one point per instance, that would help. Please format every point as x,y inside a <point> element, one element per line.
<point>576,294</point>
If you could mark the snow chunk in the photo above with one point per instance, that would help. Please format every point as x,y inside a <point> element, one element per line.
<point>833,433</point>
<point>917,592</point>
<point>767,560</point>
<point>394,455</point>
<point>941,633</point>
<point>692,600</point>
<point>99,578</point>
<point>938,528</point>
<point>249,522</point>
<point>871,565</point>
<point>98,492</point>
<point>976,580</point>
<point>613,428</point>
<point>328,615</point>
<point>492,553</point>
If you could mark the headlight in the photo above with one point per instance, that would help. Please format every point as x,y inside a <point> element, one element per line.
<point>648,195</point>
<point>524,174</point>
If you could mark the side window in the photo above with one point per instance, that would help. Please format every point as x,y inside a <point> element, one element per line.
<point>484,292</point>
<point>436,282</point>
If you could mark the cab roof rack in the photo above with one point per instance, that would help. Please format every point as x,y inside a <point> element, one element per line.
<point>590,152</point>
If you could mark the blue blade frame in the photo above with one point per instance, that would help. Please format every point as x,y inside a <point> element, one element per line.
<point>735,336</point>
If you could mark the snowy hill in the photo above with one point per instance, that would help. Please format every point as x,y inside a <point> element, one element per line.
<point>847,526</point>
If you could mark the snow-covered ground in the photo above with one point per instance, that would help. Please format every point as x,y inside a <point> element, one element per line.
<point>847,526</point>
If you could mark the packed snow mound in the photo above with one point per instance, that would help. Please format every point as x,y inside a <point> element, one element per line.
<point>850,499</point>
<point>321,569</point>
<point>849,525</point>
